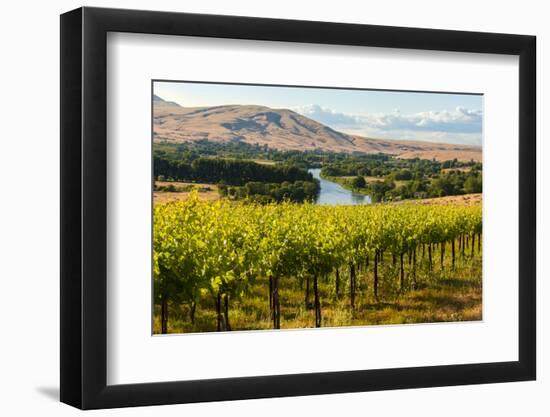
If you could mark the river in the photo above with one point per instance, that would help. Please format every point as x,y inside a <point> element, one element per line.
<point>334,194</point>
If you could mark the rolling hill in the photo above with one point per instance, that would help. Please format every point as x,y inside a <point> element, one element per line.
<point>285,130</point>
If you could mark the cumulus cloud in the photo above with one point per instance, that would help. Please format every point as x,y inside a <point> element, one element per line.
<point>460,120</point>
<point>460,125</point>
<point>327,116</point>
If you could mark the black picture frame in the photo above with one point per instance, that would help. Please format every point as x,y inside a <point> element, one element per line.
<point>84,207</point>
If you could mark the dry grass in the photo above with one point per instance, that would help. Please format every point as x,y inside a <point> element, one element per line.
<point>370,179</point>
<point>207,192</point>
<point>460,200</point>
<point>461,169</point>
<point>465,155</point>
<point>264,161</point>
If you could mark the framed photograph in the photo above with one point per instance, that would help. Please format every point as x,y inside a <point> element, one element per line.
<point>257,208</point>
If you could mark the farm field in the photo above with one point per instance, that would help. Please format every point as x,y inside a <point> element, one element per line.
<point>460,200</point>
<point>237,266</point>
<point>180,191</point>
<point>446,296</point>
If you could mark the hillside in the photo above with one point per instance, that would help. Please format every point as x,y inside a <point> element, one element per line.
<point>285,130</point>
<point>160,103</point>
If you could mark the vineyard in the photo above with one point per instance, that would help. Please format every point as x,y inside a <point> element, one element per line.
<point>226,265</point>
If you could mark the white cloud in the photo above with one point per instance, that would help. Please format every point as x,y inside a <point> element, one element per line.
<point>460,125</point>
<point>460,120</point>
<point>327,116</point>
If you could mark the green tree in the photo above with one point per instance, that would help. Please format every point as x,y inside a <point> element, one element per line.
<point>359,182</point>
<point>473,184</point>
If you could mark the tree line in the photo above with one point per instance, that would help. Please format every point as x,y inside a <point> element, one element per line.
<point>402,184</point>
<point>227,171</point>
<point>263,192</point>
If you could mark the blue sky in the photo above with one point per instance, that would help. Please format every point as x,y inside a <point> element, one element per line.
<point>435,117</point>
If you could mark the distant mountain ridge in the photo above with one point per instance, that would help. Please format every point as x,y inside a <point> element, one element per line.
<point>157,101</point>
<point>283,129</point>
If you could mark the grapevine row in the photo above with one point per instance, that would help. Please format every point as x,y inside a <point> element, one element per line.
<point>218,249</point>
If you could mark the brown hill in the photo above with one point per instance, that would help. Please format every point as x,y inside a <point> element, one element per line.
<point>285,130</point>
